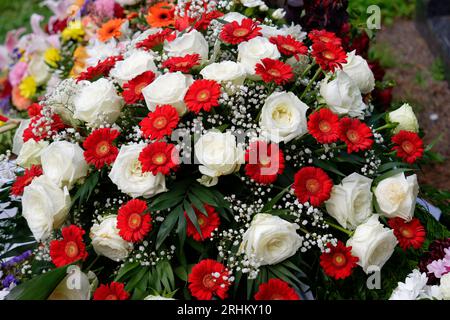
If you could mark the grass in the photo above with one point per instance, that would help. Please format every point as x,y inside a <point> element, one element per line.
<point>16,13</point>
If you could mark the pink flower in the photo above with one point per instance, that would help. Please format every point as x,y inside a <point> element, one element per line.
<point>441,266</point>
<point>17,73</point>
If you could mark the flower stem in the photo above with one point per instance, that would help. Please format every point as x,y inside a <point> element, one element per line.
<point>348,232</point>
<point>319,71</point>
<point>386,126</point>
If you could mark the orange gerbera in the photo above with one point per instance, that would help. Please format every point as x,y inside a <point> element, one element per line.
<point>161,14</point>
<point>110,29</point>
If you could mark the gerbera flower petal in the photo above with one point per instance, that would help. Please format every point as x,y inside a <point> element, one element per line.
<point>110,29</point>
<point>274,70</point>
<point>99,148</point>
<point>323,125</point>
<point>408,146</point>
<point>202,95</point>
<point>356,134</point>
<point>289,46</point>
<point>329,55</point>
<point>132,92</point>
<point>182,64</point>
<point>161,14</point>
<point>207,223</point>
<point>276,289</point>
<point>156,39</point>
<point>159,157</point>
<point>235,32</point>
<point>408,233</point>
<point>264,162</point>
<point>133,222</point>
<point>70,249</point>
<point>111,291</point>
<point>101,69</point>
<point>207,280</point>
<point>25,180</point>
<point>312,184</point>
<point>338,263</point>
<point>160,123</point>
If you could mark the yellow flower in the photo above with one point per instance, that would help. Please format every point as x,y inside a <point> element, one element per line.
<point>27,87</point>
<point>74,31</point>
<point>52,56</point>
<point>79,57</point>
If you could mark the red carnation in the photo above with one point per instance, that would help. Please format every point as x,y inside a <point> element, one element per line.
<point>41,128</point>
<point>328,55</point>
<point>207,223</point>
<point>235,32</point>
<point>274,70</point>
<point>112,291</point>
<point>409,234</point>
<point>182,64</point>
<point>159,157</point>
<point>356,134</point>
<point>209,278</point>
<point>408,145</point>
<point>25,180</point>
<point>101,69</point>
<point>324,37</point>
<point>70,249</point>
<point>133,222</point>
<point>156,39</point>
<point>160,123</point>
<point>323,125</point>
<point>313,185</point>
<point>202,95</point>
<point>289,46</point>
<point>276,289</point>
<point>338,263</point>
<point>264,162</point>
<point>99,148</point>
<point>132,90</point>
<point>34,110</point>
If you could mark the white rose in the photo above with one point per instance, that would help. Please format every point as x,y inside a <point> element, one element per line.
<point>75,286</point>
<point>97,102</point>
<point>127,175</point>
<point>169,88</point>
<point>188,43</point>
<point>45,206</point>
<point>252,3</point>
<point>152,297</point>
<point>137,63</point>
<point>372,243</point>
<point>233,16</point>
<point>251,52</point>
<point>279,13</point>
<point>283,117</point>
<point>39,70</point>
<point>30,154</point>
<point>350,202</point>
<point>225,71</point>
<point>396,196</point>
<point>405,118</point>
<point>360,72</point>
<point>270,239</point>
<point>63,163</point>
<point>18,136</point>
<point>444,286</point>
<point>107,241</point>
<point>218,154</point>
<point>342,95</point>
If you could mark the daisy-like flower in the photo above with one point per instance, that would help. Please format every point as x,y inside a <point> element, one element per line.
<point>408,145</point>
<point>235,32</point>
<point>25,180</point>
<point>356,134</point>
<point>329,55</point>
<point>206,19</point>
<point>206,280</point>
<point>289,46</point>
<point>182,64</point>
<point>111,291</point>
<point>312,184</point>
<point>133,222</point>
<point>207,223</point>
<point>264,162</point>
<point>160,123</point>
<point>161,14</point>
<point>338,263</point>
<point>101,69</point>
<point>409,234</point>
<point>324,37</point>
<point>132,90</point>
<point>274,70</point>
<point>202,95</point>
<point>276,289</point>
<point>156,39</point>
<point>323,125</point>
<point>42,128</point>
<point>70,249</point>
<point>99,148</point>
<point>159,157</point>
<point>110,29</point>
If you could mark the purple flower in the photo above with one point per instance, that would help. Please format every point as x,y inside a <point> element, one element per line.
<point>9,279</point>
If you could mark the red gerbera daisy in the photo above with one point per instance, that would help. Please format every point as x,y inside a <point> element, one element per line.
<point>70,249</point>
<point>276,289</point>
<point>408,145</point>
<point>329,55</point>
<point>274,70</point>
<point>324,36</point>
<point>313,185</point>
<point>182,64</point>
<point>34,110</point>
<point>99,148</point>
<point>202,95</point>
<point>409,234</point>
<point>101,69</point>
<point>160,123</point>
<point>207,223</point>
<point>23,181</point>
<point>132,90</point>
<point>156,39</point>
<point>209,278</point>
<point>159,157</point>
<point>41,128</point>
<point>356,134</point>
<point>338,262</point>
<point>133,222</point>
<point>235,32</point>
<point>112,291</point>
<point>289,46</point>
<point>323,125</point>
<point>206,19</point>
<point>264,162</point>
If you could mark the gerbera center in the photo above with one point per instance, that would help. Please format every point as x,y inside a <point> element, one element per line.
<point>353,136</point>
<point>274,72</point>
<point>329,55</point>
<point>201,221</point>
<point>406,232</point>
<point>339,259</point>
<point>71,249</point>
<point>312,185</point>
<point>407,146</point>
<point>111,297</point>
<point>102,148</point>
<point>208,281</point>
<point>160,122</point>
<point>288,47</point>
<point>240,32</point>
<point>159,158</point>
<point>139,87</point>
<point>134,221</point>
<point>264,161</point>
<point>203,95</point>
<point>324,126</point>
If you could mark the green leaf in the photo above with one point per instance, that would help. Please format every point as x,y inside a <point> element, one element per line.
<point>197,203</point>
<point>192,216</point>
<point>390,174</point>
<point>167,226</point>
<point>84,192</point>
<point>328,166</point>
<point>391,165</point>
<point>269,205</point>
<point>135,280</point>
<point>181,273</point>
<point>126,269</point>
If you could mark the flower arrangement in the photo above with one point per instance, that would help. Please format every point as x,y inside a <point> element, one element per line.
<point>187,150</point>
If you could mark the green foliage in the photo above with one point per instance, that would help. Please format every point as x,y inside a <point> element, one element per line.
<point>438,70</point>
<point>390,10</point>
<point>384,54</point>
